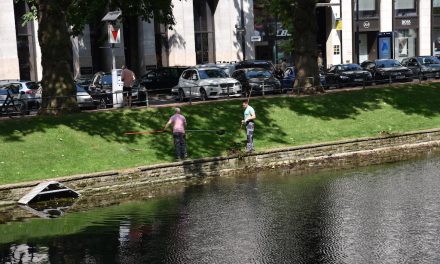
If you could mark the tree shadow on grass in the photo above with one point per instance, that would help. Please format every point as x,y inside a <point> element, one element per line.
<point>422,100</point>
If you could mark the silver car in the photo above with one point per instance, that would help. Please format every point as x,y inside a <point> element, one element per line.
<point>30,91</point>
<point>206,83</point>
<point>83,98</point>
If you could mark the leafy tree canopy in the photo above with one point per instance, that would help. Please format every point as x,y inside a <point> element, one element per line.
<point>78,13</point>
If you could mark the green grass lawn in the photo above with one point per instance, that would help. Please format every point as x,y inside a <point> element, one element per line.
<point>47,147</point>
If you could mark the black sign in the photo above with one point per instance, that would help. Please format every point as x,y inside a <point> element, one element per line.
<point>404,23</point>
<point>369,25</point>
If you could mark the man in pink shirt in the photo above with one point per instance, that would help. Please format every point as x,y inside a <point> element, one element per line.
<point>127,77</point>
<point>178,122</point>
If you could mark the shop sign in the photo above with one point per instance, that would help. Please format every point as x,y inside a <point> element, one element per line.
<point>406,22</point>
<point>338,25</point>
<point>366,24</point>
<point>255,38</point>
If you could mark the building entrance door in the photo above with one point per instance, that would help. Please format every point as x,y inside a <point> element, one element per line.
<point>367,46</point>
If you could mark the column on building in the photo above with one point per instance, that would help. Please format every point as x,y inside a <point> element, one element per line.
<point>228,38</point>
<point>386,15</point>
<point>347,31</point>
<point>8,42</point>
<point>435,43</point>
<point>37,53</point>
<point>406,28</point>
<point>82,55</point>
<point>425,27</point>
<point>334,40</point>
<point>181,40</point>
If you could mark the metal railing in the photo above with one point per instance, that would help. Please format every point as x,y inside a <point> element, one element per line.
<point>22,105</point>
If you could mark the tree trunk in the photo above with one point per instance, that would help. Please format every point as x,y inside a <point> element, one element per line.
<point>306,54</point>
<point>59,92</point>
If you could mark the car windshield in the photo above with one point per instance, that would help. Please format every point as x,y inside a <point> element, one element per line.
<point>351,67</point>
<point>80,89</point>
<point>212,73</point>
<point>387,63</point>
<point>32,85</point>
<point>106,79</point>
<point>428,60</point>
<point>258,74</point>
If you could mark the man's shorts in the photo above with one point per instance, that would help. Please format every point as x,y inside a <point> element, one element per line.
<point>127,90</point>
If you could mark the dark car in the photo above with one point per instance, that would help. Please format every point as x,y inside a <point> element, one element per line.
<point>288,78</point>
<point>423,66</point>
<point>347,74</point>
<point>101,90</point>
<point>247,64</point>
<point>161,79</point>
<point>384,70</point>
<point>258,80</point>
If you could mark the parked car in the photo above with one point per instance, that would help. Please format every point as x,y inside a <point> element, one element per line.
<point>206,83</point>
<point>228,67</point>
<point>101,90</point>
<point>31,91</point>
<point>267,65</point>
<point>83,98</point>
<point>13,91</point>
<point>162,79</point>
<point>384,70</point>
<point>258,80</point>
<point>288,78</point>
<point>84,82</point>
<point>347,74</point>
<point>423,66</point>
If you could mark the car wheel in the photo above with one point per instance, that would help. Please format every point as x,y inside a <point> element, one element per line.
<point>102,104</point>
<point>181,95</point>
<point>203,95</point>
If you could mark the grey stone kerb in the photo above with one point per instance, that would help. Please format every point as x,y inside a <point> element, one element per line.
<point>340,154</point>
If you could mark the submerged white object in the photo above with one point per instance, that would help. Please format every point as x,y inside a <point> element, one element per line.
<point>47,190</point>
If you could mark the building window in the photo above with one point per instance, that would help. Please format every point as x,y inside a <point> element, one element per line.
<point>204,30</point>
<point>436,7</point>
<point>368,8</point>
<point>405,43</point>
<point>436,41</point>
<point>336,49</point>
<point>405,7</point>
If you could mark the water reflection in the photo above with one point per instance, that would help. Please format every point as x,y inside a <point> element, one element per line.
<point>385,214</point>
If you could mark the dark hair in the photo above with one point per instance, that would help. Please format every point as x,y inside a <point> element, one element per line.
<point>245,101</point>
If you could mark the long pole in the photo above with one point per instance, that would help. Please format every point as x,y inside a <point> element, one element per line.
<point>113,57</point>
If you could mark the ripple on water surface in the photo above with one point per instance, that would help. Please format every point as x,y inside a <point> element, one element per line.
<point>382,214</point>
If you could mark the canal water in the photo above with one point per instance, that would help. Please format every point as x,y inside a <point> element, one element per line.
<point>380,214</point>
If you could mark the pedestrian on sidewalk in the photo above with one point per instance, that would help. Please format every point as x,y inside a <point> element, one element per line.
<point>178,122</point>
<point>127,77</point>
<point>248,121</point>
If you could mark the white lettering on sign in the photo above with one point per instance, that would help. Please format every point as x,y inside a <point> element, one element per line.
<point>406,22</point>
<point>283,33</point>
<point>367,24</point>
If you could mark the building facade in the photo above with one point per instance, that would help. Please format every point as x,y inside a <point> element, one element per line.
<point>206,31</point>
<point>413,24</point>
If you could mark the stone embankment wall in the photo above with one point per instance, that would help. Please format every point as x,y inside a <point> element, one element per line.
<point>341,154</point>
